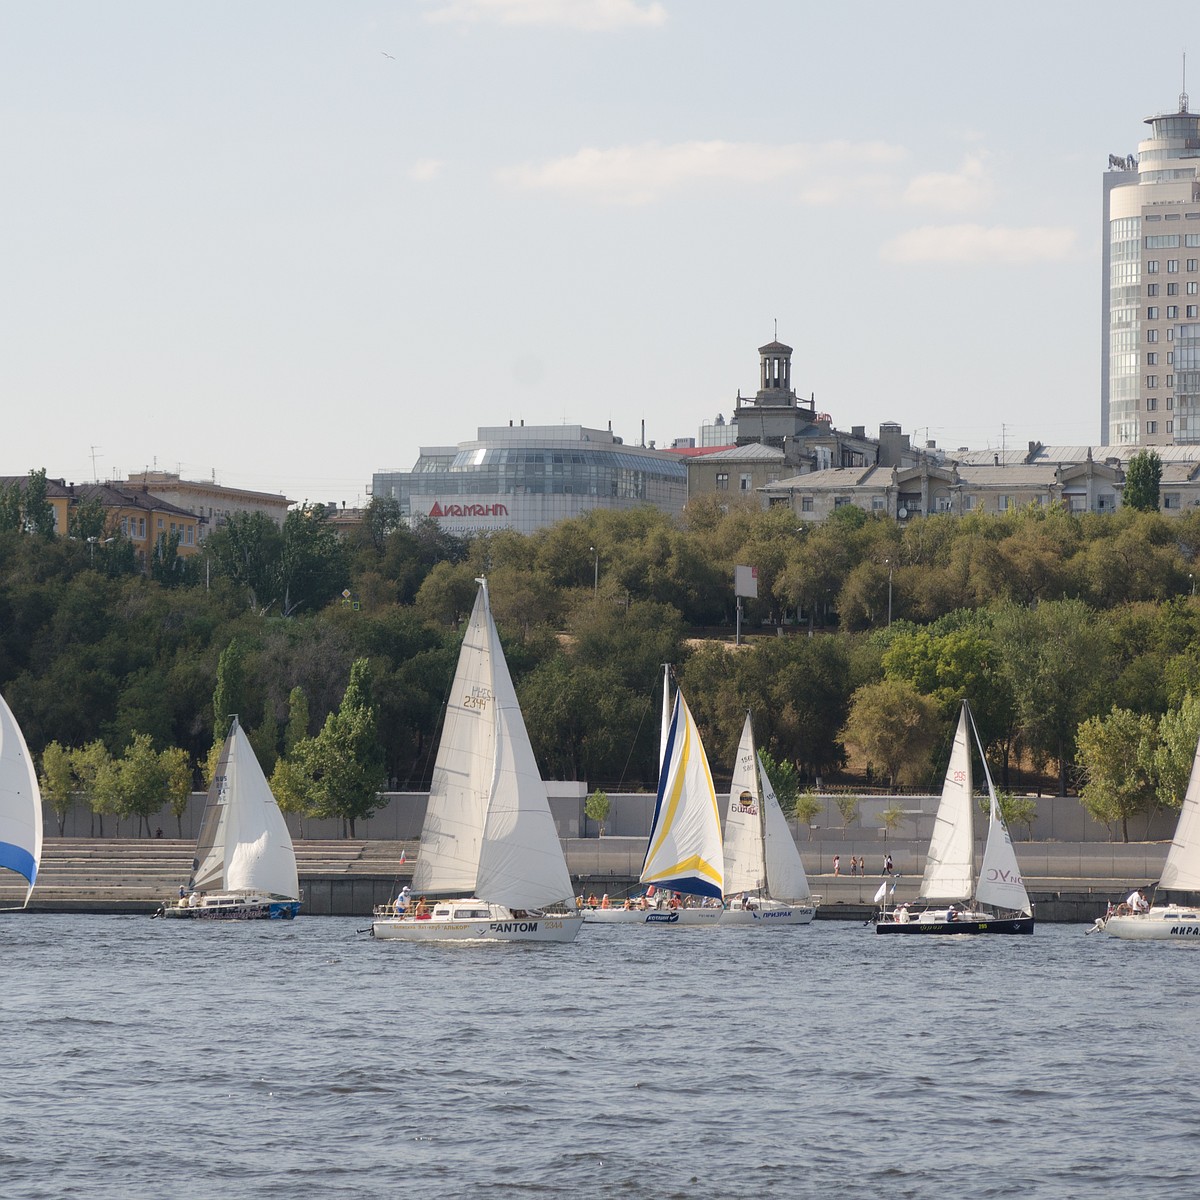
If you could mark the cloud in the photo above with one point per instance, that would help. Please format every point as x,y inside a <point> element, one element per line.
<point>426,170</point>
<point>816,174</point>
<point>589,16</point>
<point>977,244</point>
<point>952,191</point>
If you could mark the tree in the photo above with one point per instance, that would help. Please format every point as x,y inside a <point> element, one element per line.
<point>1116,753</point>
<point>806,806</point>
<point>345,761</point>
<point>87,520</point>
<point>848,807</point>
<point>1142,478</point>
<point>39,513</point>
<point>293,790</point>
<point>297,723</point>
<point>890,818</point>
<point>265,740</point>
<point>785,781</point>
<point>229,696</point>
<point>57,781</point>
<point>177,781</point>
<point>143,781</point>
<point>596,808</point>
<point>90,764</point>
<point>893,725</point>
<point>1175,750</point>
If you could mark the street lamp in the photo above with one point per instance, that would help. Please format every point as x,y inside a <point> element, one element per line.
<point>1193,579</point>
<point>92,547</point>
<point>888,563</point>
<point>595,574</point>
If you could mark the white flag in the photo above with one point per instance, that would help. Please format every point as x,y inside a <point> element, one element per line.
<point>879,895</point>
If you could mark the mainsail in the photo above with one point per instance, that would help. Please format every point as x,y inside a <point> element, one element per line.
<point>685,850</point>
<point>244,843</point>
<point>1181,871</point>
<point>488,828</point>
<point>950,865</point>
<point>20,803</point>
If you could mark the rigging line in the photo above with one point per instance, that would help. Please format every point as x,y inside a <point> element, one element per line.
<point>633,744</point>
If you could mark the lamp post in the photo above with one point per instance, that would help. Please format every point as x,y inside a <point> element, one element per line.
<point>1193,582</point>
<point>888,561</point>
<point>595,574</point>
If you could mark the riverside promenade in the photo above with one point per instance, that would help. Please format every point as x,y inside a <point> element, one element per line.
<point>1068,882</point>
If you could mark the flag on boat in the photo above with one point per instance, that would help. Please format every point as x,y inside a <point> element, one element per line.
<point>879,895</point>
<point>403,856</point>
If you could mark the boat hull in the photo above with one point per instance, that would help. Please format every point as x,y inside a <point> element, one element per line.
<point>235,909</point>
<point>657,918</point>
<point>500,925</point>
<point>769,914</point>
<point>919,926</point>
<point>1171,924</point>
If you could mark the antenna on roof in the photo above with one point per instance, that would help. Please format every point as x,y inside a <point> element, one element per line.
<point>777,329</point>
<point>95,477</point>
<point>1183,96</point>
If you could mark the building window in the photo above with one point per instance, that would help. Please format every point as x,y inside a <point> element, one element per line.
<point>878,503</point>
<point>1172,289</point>
<point>745,483</point>
<point>191,530</point>
<point>1152,289</point>
<point>1152,381</point>
<point>722,481</point>
<point>141,527</point>
<point>840,501</point>
<point>1172,266</point>
<point>1152,335</point>
<point>1152,359</point>
<point>160,523</point>
<point>1193,288</point>
<point>806,504</point>
<point>1151,426</point>
<point>1171,500</point>
<point>1152,313</point>
<point>1151,403</point>
<point>1172,312</point>
<point>124,526</point>
<point>1170,403</point>
<point>1003,503</point>
<point>1152,266</point>
<point>969,502</point>
<point>1170,426</point>
<point>1193,310</point>
<point>1170,381</point>
<point>1193,263</point>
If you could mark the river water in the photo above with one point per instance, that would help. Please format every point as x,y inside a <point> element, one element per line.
<point>146,1058</point>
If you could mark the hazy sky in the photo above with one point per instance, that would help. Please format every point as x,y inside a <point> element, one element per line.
<point>288,243</point>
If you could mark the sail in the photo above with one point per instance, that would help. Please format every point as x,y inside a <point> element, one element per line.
<point>685,849</point>
<point>452,835</point>
<point>20,803</point>
<point>950,865</point>
<point>745,860</point>
<point>1181,871</point>
<point>244,838</point>
<point>786,879</point>
<point>1000,883</point>
<point>488,828</point>
<point>521,862</point>
<point>665,720</point>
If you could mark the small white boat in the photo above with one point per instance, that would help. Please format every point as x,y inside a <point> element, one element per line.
<point>20,804</point>
<point>488,833</point>
<point>959,901</point>
<point>1180,873</point>
<point>765,883</point>
<point>245,866</point>
<point>683,868</point>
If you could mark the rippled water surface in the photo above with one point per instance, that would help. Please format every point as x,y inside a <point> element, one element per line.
<point>148,1058</point>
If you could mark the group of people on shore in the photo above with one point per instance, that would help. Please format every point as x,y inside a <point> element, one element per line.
<point>858,866</point>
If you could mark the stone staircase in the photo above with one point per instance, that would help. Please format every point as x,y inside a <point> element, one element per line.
<point>137,874</point>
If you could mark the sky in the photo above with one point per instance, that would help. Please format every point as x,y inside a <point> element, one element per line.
<point>284,244</point>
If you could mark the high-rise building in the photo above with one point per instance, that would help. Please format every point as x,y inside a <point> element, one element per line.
<point>1150,355</point>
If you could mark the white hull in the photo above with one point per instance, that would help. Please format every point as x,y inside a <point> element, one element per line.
<point>663,918</point>
<point>1167,924</point>
<point>449,924</point>
<point>768,914</point>
<point>233,906</point>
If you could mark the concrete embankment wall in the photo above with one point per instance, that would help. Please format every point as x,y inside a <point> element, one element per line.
<point>1068,882</point>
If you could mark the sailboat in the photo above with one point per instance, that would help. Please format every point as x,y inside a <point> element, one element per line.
<point>1180,873</point>
<point>995,900</point>
<point>684,868</point>
<point>764,875</point>
<point>245,867</point>
<point>488,833</point>
<point>20,803</point>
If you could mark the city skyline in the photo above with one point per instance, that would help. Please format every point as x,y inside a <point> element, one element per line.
<point>286,245</point>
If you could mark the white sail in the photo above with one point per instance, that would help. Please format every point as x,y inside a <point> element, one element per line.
<point>665,719</point>
<point>1181,871</point>
<point>685,850</point>
<point>1000,883</point>
<point>488,828</point>
<point>950,865</point>
<point>20,803</point>
<point>745,858</point>
<point>786,879</point>
<point>244,839</point>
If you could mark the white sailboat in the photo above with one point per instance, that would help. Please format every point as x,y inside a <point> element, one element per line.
<point>245,866</point>
<point>20,803</point>
<point>959,900</point>
<point>1180,873</point>
<point>764,876</point>
<point>488,833</point>
<point>684,866</point>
